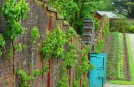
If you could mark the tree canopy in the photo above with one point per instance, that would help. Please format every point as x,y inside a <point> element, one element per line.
<point>124,7</point>
<point>75,11</point>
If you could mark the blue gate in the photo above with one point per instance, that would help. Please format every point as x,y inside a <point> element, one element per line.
<point>98,75</point>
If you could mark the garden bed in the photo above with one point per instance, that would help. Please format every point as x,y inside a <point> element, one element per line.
<point>119,59</point>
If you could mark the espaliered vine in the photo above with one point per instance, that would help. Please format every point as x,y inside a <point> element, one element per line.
<point>106,30</point>
<point>100,46</point>
<point>34,33</point>
<point>14,12</point>
<point>2,43</point>
<point>85,65</point>
<point>54,45</point>
<point>26,78</point>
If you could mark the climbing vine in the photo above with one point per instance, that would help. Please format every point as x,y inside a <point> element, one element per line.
<point>100,46</point>
<point>26,78</point>
<point>2,43</point>
<point>54,45</point>
<point>34,34</point>
<point>14,12</point>
<point>106,30</point>
<point>85,65</point>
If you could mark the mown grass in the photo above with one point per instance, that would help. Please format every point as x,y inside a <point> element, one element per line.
<point>121,82</point>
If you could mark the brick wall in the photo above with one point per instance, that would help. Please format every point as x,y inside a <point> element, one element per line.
<point>43,18</point>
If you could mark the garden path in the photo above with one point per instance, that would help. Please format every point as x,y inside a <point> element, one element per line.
<point>131,37</point>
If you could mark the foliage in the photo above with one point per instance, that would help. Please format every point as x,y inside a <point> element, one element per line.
<point>124,7</point>
<point>112,65</point>
<point>19,47</point>
<point>10,54</point>
<point>45,69</point>
<point>100,46</point>
<point>106,30</point>
<point>14,11</point>
<point>85,65</point>
<point>71,55</point>
<point>76,83</point>
<point>120,57</point>
<point>2,43</point>
<point>54,44</point>
<point>0,53</point>
<point>81,9</point>
<point>26,78</point>
<point>34,33</point>
<point>131,29</point>
<point>122,25</point>
<point>86,83</point>
<point>63,82</point>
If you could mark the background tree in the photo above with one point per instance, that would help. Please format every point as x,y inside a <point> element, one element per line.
<point>124,7</point>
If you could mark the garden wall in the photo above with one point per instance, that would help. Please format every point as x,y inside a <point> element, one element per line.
<point>30,58</point>
<point>99,33</point>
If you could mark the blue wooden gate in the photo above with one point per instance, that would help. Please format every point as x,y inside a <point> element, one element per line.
<point>98,75</point>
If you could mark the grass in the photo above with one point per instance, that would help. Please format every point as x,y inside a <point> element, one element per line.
<point>121,82</point>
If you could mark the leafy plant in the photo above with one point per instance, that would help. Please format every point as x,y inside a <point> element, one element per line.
<point>106,30</point>
<point>14,11</point>
<point>100,46</point>
<point>85,65</point>
<point>10,54</point>
<point>34,34</point>
<point>63,82</point>
<point>86,83</point>
<point>120,57</point>
<point>76,83</point>
<point>2,43</point>
<point>54,44</point>
<point>19,47</point>
<point>26,78</point>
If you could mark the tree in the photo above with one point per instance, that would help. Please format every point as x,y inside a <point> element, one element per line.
<point>124,7</point>
<point>75,11</point>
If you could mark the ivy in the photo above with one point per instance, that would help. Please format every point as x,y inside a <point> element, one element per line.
<point>34,33</point>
